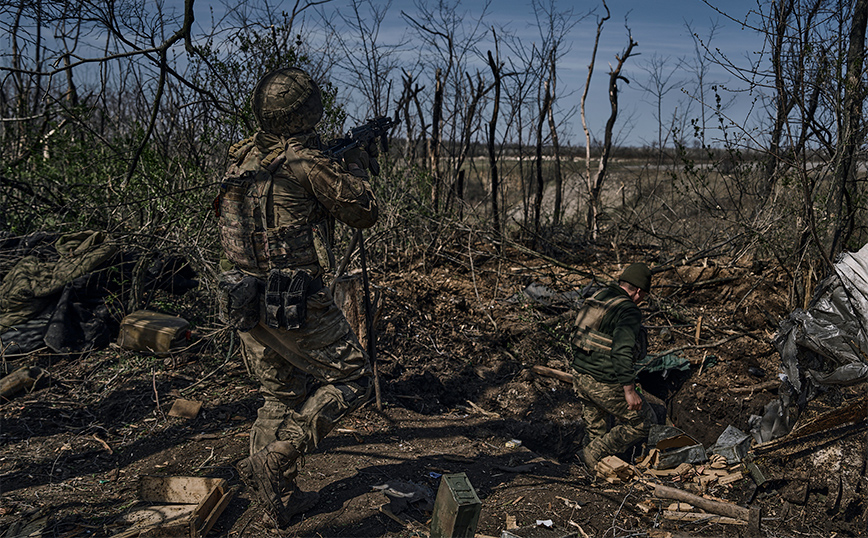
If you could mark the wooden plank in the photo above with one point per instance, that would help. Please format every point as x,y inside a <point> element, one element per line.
<point>701,516</point>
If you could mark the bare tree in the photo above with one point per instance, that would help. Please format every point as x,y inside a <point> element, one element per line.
<point>595,185</point>
<point>658,85</point>
<point>496,66</point>
<point>600,22</point>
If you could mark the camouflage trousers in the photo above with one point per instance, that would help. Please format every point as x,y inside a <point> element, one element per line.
<point>599,402</point>
<point>325,357</point>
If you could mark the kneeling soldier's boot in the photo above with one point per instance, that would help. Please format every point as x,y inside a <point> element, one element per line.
<point>264,472</point>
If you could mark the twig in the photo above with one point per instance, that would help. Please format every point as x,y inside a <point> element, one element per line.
<point>209,458</point>
<point>703,346</point>
<point>104,444</point>
<point>156,393</point>
<point>765,385</point>
<point>209,374</point>
<point>482,411</point>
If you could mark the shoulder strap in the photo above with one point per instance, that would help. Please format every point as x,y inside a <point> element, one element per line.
<point>294,161</point>
<point>588,336</point>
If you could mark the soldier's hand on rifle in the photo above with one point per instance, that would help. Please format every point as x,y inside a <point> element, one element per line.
<point>356,159</point>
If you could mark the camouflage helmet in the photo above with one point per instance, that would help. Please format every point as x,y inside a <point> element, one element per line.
<point>287,101</point>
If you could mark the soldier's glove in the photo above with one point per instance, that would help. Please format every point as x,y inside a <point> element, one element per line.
<point>356,156</point>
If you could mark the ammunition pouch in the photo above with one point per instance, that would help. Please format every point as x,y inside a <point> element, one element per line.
<point>590,341</point>
<point>238,297</point>
<point>286,298</point>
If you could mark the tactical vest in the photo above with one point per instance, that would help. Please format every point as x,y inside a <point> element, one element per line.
<point>588,336</point>
<point>248,238</point>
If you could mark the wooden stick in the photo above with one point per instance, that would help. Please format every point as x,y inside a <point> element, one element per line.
<point>765,385</point>
<point>551,372</point>
<point>700,516</point>
<point>716,507</point>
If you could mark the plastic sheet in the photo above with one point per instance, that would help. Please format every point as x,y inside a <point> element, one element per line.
<point>825,345</point>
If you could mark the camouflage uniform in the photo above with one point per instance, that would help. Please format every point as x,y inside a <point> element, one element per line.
<point>603,365</point>
<point>281,226</point>
<point>325,347</point>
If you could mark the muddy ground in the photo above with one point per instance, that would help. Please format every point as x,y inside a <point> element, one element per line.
<point>456,343</point>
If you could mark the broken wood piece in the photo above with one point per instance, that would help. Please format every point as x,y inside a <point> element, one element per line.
<point>551,372</point>
<point>185,408</point>
<point>22,379</point>
<point>701,516</point>
<point>647,506</point>
<point>482,411</point>
<point>103,443</point>
<point>615,464</point>
<point>510,522</point>
<point>388,513</point>
<point>716,507</point>
<point>715,472</point>
<point>680,507</point>
<point>651,459</point>
<point>759,387</point>
<point>191,506</point>
<point>729,479</point>
<point>682,469</point>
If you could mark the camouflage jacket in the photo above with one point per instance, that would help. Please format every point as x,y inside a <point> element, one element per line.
<point>293,207</point>
<point>622,322</point>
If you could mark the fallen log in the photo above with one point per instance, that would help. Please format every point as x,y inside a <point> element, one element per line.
<point>22,379</point>
<point>715,507</point>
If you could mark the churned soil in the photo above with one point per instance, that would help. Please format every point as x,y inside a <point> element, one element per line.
<point>457,340</point>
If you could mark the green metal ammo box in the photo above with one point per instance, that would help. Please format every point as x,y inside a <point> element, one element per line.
<point>456,509</point>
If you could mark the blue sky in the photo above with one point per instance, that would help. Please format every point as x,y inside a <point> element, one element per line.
<point>659,28</point>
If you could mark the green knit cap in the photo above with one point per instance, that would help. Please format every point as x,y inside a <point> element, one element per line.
<point>639,275</point>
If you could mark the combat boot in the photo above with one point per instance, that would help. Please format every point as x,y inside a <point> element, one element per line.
<point>264,473</point>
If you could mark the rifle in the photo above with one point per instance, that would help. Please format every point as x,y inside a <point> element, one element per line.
<point>362,136</point>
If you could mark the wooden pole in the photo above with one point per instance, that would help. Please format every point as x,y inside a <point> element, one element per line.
<point>716,507</point>
<point>369,318</point>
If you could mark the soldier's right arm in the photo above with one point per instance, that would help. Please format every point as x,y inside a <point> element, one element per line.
<point>347,195</point>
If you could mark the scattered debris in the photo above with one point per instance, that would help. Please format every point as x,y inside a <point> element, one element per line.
<point>185,408</point>
<point>188,506</point>
<point>402,494</point>
<point>675,447</point>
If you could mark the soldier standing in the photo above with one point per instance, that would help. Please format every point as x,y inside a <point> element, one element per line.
<point>609,338</point>
<point>278,203</point>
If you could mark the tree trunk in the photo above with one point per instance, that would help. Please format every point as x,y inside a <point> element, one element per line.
<point>850,138</point>
<point>434,142</point>
<point>492,132</point>
<point>594,205</point>
<point>556,149</point>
